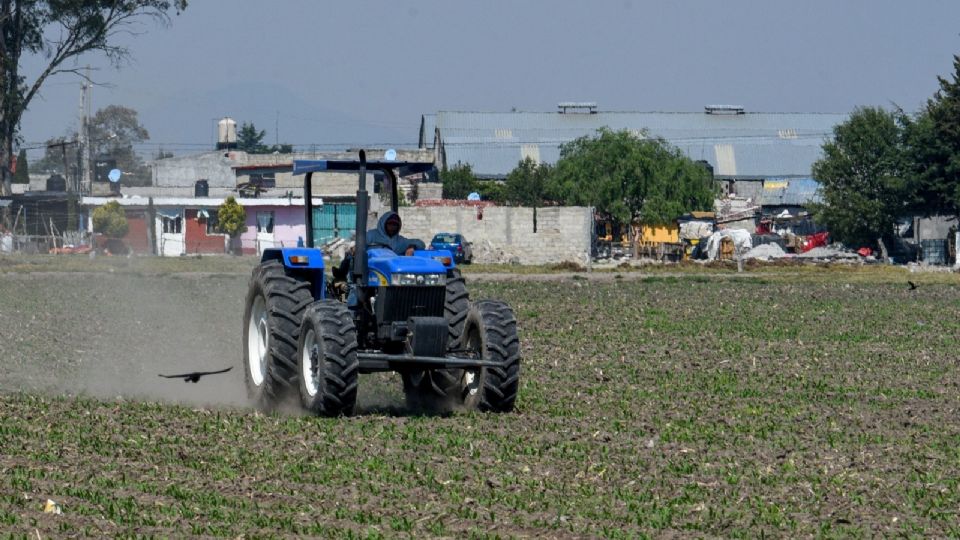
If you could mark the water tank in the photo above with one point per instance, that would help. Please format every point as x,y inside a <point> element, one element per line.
<point>201,189</point>
<point>56,183</point>
<point>226,133</point>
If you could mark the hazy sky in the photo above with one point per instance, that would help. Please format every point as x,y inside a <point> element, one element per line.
<point>343,73</point>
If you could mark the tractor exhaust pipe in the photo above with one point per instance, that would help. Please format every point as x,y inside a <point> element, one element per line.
<point>360,251</point>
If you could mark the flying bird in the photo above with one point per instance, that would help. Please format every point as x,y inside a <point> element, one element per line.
<point>913,286</point>
<point>195,376</point>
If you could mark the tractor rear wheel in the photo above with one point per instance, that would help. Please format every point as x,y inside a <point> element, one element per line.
<point>432,389</point>
<point>274,310</point>
<point>328,365</point>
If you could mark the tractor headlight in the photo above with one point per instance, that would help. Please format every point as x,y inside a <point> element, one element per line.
<point>418,279</point>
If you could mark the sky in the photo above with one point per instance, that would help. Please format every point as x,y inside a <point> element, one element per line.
<point>338,74</point>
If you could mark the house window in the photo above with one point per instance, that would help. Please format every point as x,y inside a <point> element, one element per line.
<point>264,180</point>
<point>212,222</point>
<point>265,222</point>
<point>172,225</point>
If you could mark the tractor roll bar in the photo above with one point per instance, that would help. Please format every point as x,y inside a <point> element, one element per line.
<point>360,251</point>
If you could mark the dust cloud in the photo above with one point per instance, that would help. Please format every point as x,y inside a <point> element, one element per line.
<point>110,336</point>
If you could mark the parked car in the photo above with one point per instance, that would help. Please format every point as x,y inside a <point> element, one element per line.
<point>456,243</point>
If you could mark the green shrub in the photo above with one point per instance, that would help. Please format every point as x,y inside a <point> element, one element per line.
<point>110,220</point>
<point>232,218</point>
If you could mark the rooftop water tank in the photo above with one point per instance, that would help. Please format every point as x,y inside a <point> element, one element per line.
<point>226,133</point>
<point>56,183</point>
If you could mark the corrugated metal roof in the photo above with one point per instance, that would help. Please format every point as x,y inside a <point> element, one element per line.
<point>757,145</point>
<point>790,192</point>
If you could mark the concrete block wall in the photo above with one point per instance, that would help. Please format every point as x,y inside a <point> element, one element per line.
<point>505,233</point>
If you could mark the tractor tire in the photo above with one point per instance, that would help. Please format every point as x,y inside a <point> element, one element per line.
<point>491,331</point>
<point>328,367</point>
<point>274,310</point>
<point>456,306</point>
<point>431,390</point>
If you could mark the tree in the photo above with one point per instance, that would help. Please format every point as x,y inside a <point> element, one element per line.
<point>630,178</point>
<point>862,179</point>
<point>110,220</point>
<point>493,191</point>
<point>527,184</point>
<point>22,175</point>
<point>933,150</point>
<point>232,220</point>
<point>250,140</point>
<point>458,182</point>
<point>113,132</point>
<point>59,32</point>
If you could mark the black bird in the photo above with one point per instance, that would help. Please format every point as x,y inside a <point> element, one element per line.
<point>913,286</point>
<point>195,376</point>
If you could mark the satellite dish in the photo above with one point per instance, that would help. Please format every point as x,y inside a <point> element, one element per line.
<point>114,175</point>
<point>390,155</point>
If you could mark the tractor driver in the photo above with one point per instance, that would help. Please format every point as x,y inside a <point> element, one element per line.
<point>387,234</point>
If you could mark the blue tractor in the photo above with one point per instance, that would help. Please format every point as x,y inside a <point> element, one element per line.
<point>409,314</point>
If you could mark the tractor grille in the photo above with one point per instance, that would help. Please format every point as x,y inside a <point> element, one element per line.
<point>402,302</point>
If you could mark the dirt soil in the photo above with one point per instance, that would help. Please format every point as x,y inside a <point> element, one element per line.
<point>788,405</point>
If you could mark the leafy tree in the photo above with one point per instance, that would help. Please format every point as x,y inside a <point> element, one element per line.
<point>22,176</point>
<point>492,190</point>
<point>231,217</point>
<point>458,182</point>
<point>58,32</point>
<point>113,132</point>
<point>862,179</point>
<point>933,150</point>
<point>250,140</point>
<point>630,178</point>
<point>110,220</point>
<point>232,221</point>
<point>527,184</point>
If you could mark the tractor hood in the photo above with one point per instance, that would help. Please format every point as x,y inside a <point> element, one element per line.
<point>384,263</point>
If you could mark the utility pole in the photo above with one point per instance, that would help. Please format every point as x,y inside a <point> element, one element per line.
<point>83,136</point>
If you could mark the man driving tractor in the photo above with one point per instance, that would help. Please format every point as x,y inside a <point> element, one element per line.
<point>387,234</point>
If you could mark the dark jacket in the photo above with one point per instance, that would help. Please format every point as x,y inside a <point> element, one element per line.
<point>399,244</point>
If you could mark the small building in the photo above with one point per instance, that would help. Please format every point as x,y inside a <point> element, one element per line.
<point>173,226</point>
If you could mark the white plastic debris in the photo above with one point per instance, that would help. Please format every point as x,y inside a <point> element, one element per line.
<point>52,507</point>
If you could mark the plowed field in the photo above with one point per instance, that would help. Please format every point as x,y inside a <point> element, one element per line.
<point>820,404</point>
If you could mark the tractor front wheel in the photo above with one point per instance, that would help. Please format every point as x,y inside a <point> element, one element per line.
<point>491,333</point>
<point>328,365</point>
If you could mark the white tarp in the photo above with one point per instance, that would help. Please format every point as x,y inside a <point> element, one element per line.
<point>742,242</point>
<point>695,230</point>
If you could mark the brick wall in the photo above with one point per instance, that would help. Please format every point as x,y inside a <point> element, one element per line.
<point>196,237</point>
<point>505,234</point>
<point>137,238</point>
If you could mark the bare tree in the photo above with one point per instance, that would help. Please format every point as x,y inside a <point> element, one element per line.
<point>60,30</point>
